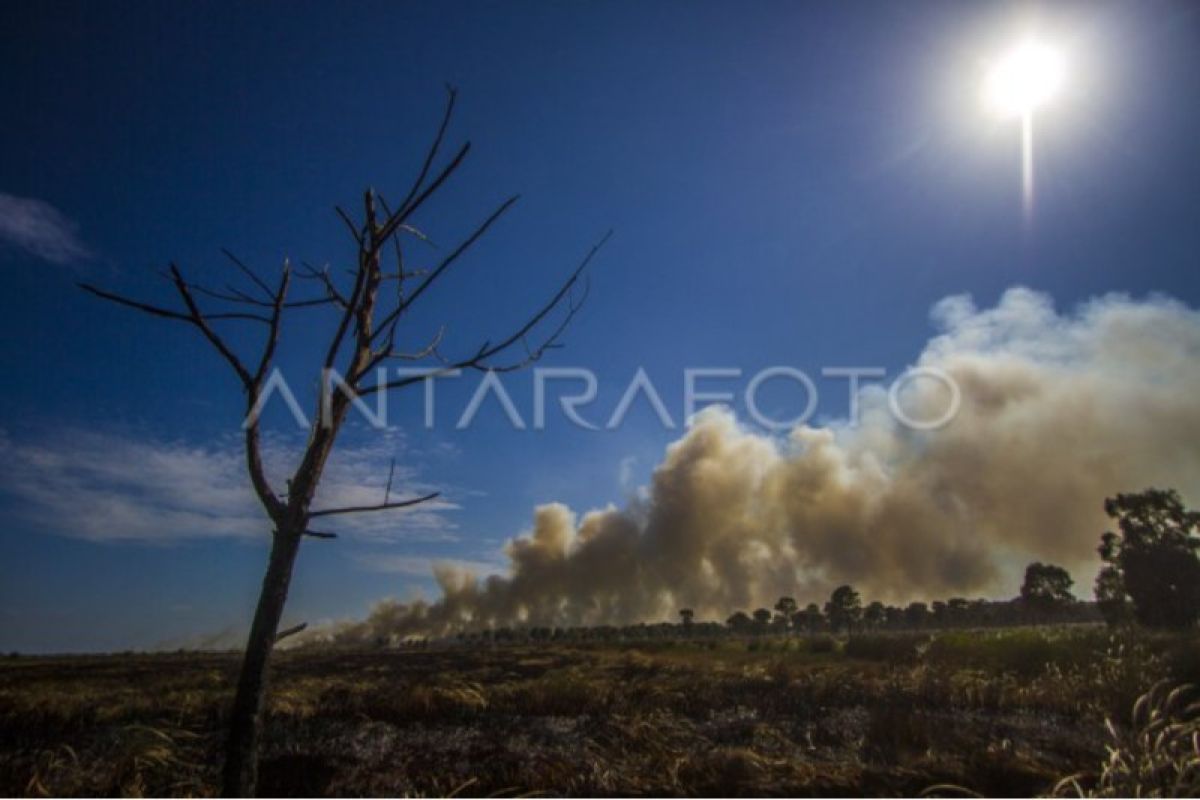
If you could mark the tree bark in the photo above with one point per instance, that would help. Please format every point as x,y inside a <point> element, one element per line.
<point>245,725</point>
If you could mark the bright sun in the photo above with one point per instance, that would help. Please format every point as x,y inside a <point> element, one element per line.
<point>1017,85</point>
<point>1024,79</point>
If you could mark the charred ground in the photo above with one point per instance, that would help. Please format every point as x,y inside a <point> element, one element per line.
<point>1000,712</point>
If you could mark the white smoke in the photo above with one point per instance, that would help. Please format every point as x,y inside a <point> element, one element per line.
<point>1058,411</point>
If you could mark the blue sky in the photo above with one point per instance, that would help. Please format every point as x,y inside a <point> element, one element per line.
<point>788,184</point>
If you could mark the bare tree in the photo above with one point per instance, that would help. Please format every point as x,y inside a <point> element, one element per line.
<point>368,300</point>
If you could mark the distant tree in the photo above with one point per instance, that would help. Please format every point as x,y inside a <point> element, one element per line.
<point>874,615</point>
<point>808,619</point>
<point>739,622</point>
<point>1154,557</point>
<point>981,612</point>
<point>1111,599</point>
<point>958,611</point>
<point>762,618</point>
<point>916,615</point>
<point>843,609</point>
<point>937,610</point>
<point>894,616</point>
<point>785,609</point>
<point>816,618</point>
<point>686,615</point>
<point>1046,589</point>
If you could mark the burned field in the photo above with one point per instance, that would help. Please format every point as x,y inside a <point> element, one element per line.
<point>1000,712</point>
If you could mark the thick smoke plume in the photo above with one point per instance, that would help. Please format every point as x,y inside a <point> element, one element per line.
<point>1058,411</point>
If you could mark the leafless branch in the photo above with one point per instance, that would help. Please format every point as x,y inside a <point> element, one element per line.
<point>200,322</point>
<point>401,307</point>
<point>273,336</point>
<point>482,359</point>
<point>251,274</point>
<point>325,512</point>
<point>125,301</point>
<point>387,491</point>
<point>404,212</point>
<point>388,352</point>
<point>320,534</point>
<point>355,231</point>
<point>331,291</point>
<point>451,98</point>
<point>235,296</point>
<point>292,631</point>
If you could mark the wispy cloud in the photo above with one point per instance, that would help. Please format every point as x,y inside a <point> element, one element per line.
<point>110,486</point>
<point>422,567</point>
<point>40,229</point>
<point>625,472</point>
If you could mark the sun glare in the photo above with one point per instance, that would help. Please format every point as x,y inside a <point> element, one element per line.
<point>1017,85</point>
<point>1024,80</point>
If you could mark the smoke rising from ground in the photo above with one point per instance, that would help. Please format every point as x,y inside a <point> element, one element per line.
<point>1058,411</point>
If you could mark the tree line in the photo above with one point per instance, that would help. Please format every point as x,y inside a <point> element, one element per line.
<point>1151,576</point>
<point>1045,597</point>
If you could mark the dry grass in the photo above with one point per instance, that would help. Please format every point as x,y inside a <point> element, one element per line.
<point>1157,755</point>
<point>1001,713</point>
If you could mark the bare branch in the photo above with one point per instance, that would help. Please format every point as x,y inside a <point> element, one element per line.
<point>551,342</point>
<point>401,307</point>
<point>125,301</point>
<point>200,322</point>
<point>245,298</point>
<point>254,463</point>
<point>354,229</point>
<point>451,97</point>
<point>373,272</point>
<point>402,214</point>
<point>481,359</point>
<point>348,312</point>
<point>390,352</point>
<point>325,512</point>
<point>554,301</point>
<point>251,274</point>
<point>331,291</point>
<point>250,383</point>
<point>194,316</point>
<point>273,335</point>
<point>321,534</point>
<point>292,631</point>
<point>235,296</point>
<point>399,254</point>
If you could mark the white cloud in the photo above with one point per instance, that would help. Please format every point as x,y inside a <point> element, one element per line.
<point>108,486</point>
<point>625,472</point>
<point>40,229</point>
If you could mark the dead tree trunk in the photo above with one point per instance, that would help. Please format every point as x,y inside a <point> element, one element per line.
<point>240,778</point>
<point>364,342</point>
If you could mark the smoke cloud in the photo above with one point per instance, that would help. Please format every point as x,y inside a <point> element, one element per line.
<point>1058,410</point>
